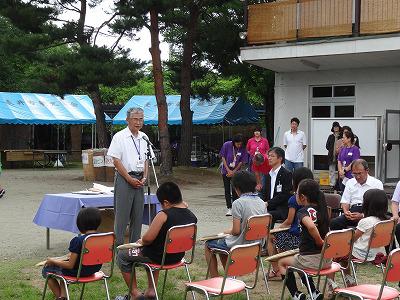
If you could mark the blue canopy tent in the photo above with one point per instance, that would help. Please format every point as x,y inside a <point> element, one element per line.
<point>46,109</point>
<point>214,111</point>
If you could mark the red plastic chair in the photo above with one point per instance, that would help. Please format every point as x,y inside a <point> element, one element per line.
<point>96,249</point>
<point>382,235</point>
<point>377,291</point>
<point>337,244</point>
<point>242,260</point>
<point>179,239</point>
<point>257,228</point>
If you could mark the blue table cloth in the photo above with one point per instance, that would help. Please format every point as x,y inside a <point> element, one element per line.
<point>59,211</point>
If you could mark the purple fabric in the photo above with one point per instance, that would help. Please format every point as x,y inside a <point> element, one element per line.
<point>227,152</point>
<point>347,155</point>
<point>59,211</point>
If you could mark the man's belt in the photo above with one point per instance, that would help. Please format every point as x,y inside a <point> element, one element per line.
<point>355,205</point>
<point>138,174</point>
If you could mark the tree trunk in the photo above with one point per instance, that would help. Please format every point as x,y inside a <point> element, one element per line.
<point>101,129</point>
<point>186,70</point>
<point>81,39</point>
<point>166,155</point>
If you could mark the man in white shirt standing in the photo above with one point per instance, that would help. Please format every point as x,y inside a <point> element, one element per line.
<point>129,150</point>
<point>395,210</point>
<point>352,198</point>
<point>294,142</point>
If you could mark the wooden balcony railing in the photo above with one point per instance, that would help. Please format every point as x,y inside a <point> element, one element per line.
<point>291,20</point>
<point>380,16</point>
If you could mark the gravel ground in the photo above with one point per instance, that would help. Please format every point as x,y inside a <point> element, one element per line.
<point>25,188</point>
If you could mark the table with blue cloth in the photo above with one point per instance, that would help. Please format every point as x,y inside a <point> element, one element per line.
<point>59,211</point>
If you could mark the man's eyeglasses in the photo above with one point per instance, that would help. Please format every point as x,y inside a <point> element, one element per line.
<point>357,174</point>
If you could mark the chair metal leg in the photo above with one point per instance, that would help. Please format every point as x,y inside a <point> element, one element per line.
<point>308,285</point>
<point>265,276</point>
<point>190,279</point>
<point>284,286</point>
<point>45,288</point>
<point>152,281</point>
<point>247,294</point>
<point>354,269</point>
<point>106,285</point>
<point>66,287</point>
<point>82,291</point>
<point>163,287</point>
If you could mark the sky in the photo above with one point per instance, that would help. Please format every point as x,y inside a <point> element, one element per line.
<point>139,49</point>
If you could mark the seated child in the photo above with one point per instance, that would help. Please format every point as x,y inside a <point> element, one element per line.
<point>313,218</point>
<point>174,212</point>
<point>87,221</point>
<point>248,204</point>
<point>289,239</point>
<point>374,208</point>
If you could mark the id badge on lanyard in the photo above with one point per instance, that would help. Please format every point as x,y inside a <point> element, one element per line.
<point>140,163</point>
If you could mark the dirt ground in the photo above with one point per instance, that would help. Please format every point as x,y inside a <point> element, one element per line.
<point>25,188</point>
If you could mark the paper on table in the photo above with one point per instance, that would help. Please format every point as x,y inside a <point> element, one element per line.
<point>102,188</point>
<point>214,236</point>
<point>87,193</point>
<point>129,246</point>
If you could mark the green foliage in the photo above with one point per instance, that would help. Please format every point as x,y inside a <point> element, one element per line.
<point>144,86</point>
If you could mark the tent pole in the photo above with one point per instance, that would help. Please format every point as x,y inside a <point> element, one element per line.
<point>58,137</point>
<point>64,127</point>
<point>92,136</point>
<point>95,135</point>
<point>33,136</point>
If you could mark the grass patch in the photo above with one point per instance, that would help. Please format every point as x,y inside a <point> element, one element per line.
<point>19,279</point>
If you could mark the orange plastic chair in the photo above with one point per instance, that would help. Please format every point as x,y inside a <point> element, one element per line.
<point>96,249</point>
<point>179,239</point>
<point>242,260</point>
<point>377,291</point>
<point>382,235</point>
<point>337,244</point>
<point>257,228</point>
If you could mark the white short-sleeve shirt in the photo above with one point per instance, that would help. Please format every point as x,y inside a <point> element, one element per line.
<point>396,194</point>
<point>361,244</point>
<point>294,145</point>
<point>354,192</point>
<point>129,149</point>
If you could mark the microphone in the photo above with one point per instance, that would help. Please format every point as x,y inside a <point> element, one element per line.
<point>148,141</point>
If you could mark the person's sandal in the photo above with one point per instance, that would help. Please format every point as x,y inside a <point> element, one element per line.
<point>274,276</point>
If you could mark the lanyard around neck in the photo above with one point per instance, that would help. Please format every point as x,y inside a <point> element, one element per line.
<point>137,148</point>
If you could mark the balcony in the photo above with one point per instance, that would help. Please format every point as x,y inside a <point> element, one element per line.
<point>309,35</point>
<point>299,20</point>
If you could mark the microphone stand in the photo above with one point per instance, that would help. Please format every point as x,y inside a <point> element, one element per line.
<point>150,158</point>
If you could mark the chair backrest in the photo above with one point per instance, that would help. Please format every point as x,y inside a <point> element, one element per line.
<point>98,248</point>
<point>257,227</point>
<point>382,234</point>
<point>243,260</point>
<point>180,238</point>
<point>332,201</point>
<point>392,271</point>
<point>337,244</point>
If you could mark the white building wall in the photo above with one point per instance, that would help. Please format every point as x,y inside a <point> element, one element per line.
<point>376,90</point>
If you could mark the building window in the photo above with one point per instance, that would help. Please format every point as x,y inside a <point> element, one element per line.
<point>344,91</point>
<point>322,91</point>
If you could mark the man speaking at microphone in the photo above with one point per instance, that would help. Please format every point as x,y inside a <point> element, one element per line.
<point>128,149</point>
